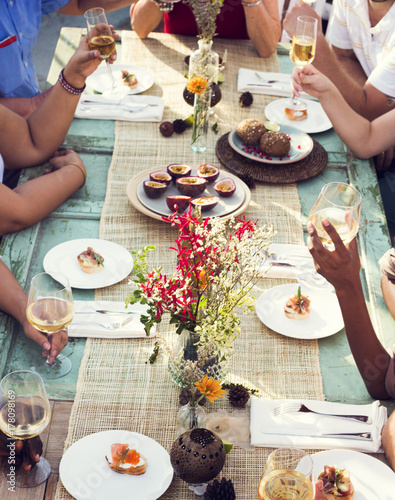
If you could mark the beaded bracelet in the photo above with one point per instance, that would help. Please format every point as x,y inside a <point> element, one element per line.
<point>78,166</point>
<point>247,4</point>
<point>65,84</point>
<point>163,6</point>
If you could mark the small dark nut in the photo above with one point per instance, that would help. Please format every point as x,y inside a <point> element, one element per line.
<point>166,129</point>
<point>246,99</point>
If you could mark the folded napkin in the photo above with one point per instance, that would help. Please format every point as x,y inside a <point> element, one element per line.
<point>310,425</point>
<point>280,83</point>
<point>87,325</point>
<point>133,108</point>
<point>298,256</point>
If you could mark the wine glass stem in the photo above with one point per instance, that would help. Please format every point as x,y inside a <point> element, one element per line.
<point>111,75</point>
<point>47,362</point>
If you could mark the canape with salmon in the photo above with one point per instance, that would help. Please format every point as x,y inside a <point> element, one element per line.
<point>126,460</point>
<point>297,307</point>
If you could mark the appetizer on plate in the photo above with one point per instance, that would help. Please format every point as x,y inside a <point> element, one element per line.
<point>91,261</point>
<point>297,307</point>
<point>337,483</point>
<point>125,460</point>
<point>129,79</point>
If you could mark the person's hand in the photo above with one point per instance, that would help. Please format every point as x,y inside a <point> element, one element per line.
<point>340,266</point>
<point>310,80</point>
<point>27,452</point>
<point>64,157</point>
<point>383,160</point>
<point>300,9</point>
<point>388,439</point>
<point>59,341</point>
<point>319,490</point>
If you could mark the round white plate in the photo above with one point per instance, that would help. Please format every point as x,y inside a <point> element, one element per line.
<point>301,146</point>
<point>325,318</point>
<point>118,262</point>
<point>227,207</point>
<point>316,121</point>
<point>100,79</point>
<point>86,474</point>
<point>372,479</point>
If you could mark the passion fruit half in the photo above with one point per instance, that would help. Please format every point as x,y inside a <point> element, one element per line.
<point>205,202</point>
<point>160,176</point>
<point>177,170</point>
<point>154,189</point>
<point>191,186</point>
<point>208,172</point>
<point>225,187</point>
<point>177,203</point>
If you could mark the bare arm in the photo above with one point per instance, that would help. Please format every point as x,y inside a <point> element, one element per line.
<point>24,143</point>
<point>144,17</point>
<point>78,7</point>
<point>341,268</point>
<point>263,26</point>
<point>24,106</point>
<point>363,137</point>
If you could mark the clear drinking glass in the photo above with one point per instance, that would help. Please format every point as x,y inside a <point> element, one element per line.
<point>288,475</point>
<point>100,38</point>
<point>24,413</point>
<point>50,310</point>
<point>302,52</point>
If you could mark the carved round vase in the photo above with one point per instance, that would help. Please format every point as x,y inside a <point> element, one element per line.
<point>197,456</point>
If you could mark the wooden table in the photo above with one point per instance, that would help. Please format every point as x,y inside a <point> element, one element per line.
<point>79,217</point>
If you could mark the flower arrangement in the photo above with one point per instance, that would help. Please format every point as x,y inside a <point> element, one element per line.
<point>200,87</point>
<point>205,12</point>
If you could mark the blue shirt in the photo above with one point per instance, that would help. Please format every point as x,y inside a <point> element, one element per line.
<point>19,26</point>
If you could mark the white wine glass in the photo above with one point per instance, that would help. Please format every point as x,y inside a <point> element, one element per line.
<point>50,310</point>
<point>100,38</point>
<point>288,475</point>
<point>302,52</point>
<point>24,413</point>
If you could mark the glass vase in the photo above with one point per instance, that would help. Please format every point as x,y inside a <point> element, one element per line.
<point>204,62</point>
<point>201,113</point>
<point>190,416</point>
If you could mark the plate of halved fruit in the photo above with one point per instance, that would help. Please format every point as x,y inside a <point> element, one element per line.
<point>136,78</point>
<point>159,192</point>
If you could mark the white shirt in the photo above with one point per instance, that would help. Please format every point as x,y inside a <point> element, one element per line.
<point>350,28</point>
<point>1,169</point>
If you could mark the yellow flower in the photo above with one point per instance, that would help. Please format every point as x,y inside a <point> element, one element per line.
<point>210,388</point>
<point>197,85</point>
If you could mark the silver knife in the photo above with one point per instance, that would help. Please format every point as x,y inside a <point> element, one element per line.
<point>306,432</point>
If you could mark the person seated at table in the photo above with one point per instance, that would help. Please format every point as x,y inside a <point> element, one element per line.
<point>29,142</point>
<point>257,20</point>
<point>363,137</point>
<point>19,26</point>
<point>358,55</point>
<point>27,452</point>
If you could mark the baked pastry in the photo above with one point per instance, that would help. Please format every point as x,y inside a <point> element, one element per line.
<point>129,79</point>
<point>91,261</point>
<point>275,143</point>
<point>297,307</point>
<point>337,483</point>
<point>251,130</point>
<point>125,460</point>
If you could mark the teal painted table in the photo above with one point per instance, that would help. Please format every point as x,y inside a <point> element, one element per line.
<point>80,215</point>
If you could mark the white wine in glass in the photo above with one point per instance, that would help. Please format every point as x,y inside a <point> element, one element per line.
<point>288,475</point>
<point>340,204</point>
<point>50,310</point>
<point>100,38</point>
<point>24,413</point>
<point>302,52</point>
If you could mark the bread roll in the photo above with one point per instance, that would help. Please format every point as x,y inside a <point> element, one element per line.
<point>275,143</point>
<point>251,130</point>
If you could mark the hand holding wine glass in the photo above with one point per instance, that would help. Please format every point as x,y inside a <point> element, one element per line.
<point>24,414</point>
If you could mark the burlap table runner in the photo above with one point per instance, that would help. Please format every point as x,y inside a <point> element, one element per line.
<point>117,388</point>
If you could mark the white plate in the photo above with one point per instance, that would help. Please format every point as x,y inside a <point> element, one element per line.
<point>316,121</point>
<point>86,475</point>
<point>118,262</point>
<point>372,479</point>
<point>325,317</point>
<point>100,79</point>
<point>301,146</point>
<point>227,207</point>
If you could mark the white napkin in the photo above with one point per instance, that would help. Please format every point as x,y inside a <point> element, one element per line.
<point>248,80</point>
<point>263,418</point>
<point>133,108</point>
<point>86,325</point>
<point>296,255</point>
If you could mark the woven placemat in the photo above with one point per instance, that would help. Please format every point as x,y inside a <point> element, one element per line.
<point>301,170</point>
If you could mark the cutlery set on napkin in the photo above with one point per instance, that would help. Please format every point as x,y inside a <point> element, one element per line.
<point>283,261</point>
<point>107,319</point>
<point>138,108</point>
<point>317,424</point>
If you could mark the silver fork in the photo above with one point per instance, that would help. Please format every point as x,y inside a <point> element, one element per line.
<point>263,79</point>
<point>110,326</point>
<point>298,407</point>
